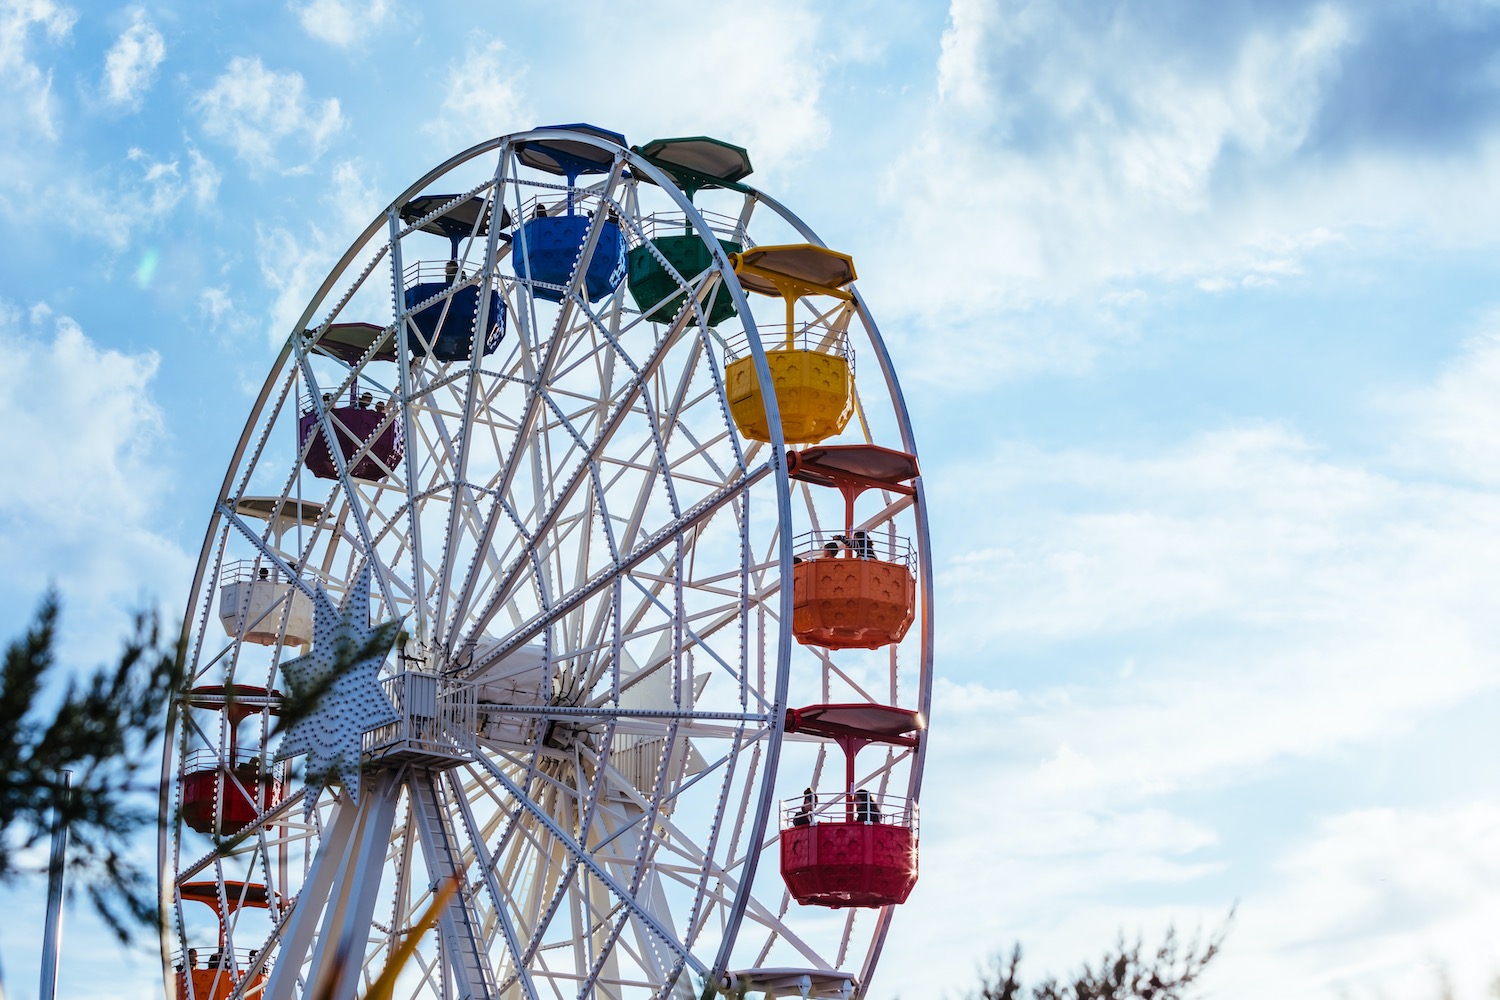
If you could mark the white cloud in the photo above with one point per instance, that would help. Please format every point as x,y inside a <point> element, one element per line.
<point>162,182</point>
<point>203,178</point>
<point>353,201</point>
<point>340,22</point>
<point>217,305</point>
<point>131,63</point>
<point>1062,163</point>
<point>782,50</point>
<point>83,494</point>
<point>256,110</point>
<point>108,201</point>
<point>1088,163</point>
<point>230,322</point>
<point>295,260</point>
<point>1378,903</point>
<point>1196,622</point>
<point>24,82</point>
<point>482,98</point>
<point>963,72</point>
<point>116,206</point>
<point>1219,525</point>
<point>292,266</point>
<point>1303,574</point>
<point>94,409</point>
<point>1457,419</point>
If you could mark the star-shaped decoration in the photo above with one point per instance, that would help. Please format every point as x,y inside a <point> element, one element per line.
<point>338,682</point>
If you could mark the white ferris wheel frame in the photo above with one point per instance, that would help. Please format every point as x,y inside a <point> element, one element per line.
<point>340,824</point>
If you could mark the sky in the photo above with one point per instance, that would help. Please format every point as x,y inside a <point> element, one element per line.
<point>1193,307</point>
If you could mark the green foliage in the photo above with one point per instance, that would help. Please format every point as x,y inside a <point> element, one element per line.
<point>105,729</point>
<point>1127,972</point>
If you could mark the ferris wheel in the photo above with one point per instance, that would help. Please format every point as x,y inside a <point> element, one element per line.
<point>582,516</point>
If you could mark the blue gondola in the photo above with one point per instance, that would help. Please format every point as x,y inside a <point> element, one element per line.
<point>547,247</point>
<point>448,325</point>
<point>547,250</point>
<point>451,334</point>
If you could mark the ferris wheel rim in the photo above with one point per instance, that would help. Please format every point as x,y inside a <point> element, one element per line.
<point>924,576</point>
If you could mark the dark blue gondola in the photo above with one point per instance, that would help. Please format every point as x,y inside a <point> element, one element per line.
<point>547,248</point>
<point>451,333</point>
<point>448,325</point>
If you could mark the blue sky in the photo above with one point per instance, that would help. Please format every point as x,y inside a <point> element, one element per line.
<point>1194,312</point>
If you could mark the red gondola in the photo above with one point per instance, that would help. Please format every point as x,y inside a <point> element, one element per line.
<point>853,848</point>
<point>224,793</point>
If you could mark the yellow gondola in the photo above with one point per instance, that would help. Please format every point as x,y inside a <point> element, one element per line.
<point>810,371</point>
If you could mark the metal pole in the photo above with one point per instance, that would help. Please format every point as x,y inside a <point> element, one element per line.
<point>52,934</point>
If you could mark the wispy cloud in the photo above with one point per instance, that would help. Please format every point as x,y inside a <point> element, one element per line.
<point>22,81</point>
<point>257,111</point>
<point>352,199</point>
<point>483,98</point>
<point>1178,622</point>
<point>1062,153</point>
<point>783,50</point>
<point>203,177</point>
<point>83,498</point>
<point>291,266</point>
<point>341,22</point>
<point>115,205</point>
<point>1378,902</point>
<point>1073,153</point>
<point>1456,432</point>
<point>131,63</point>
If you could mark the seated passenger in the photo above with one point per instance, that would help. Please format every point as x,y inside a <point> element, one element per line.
<point>864,548</point>
<point>804,815</point>
<point>865,809</point>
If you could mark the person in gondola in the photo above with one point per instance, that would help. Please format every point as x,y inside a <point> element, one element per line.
<point>804,815</point>
<point>865,809</point>
<point>864,548</point>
